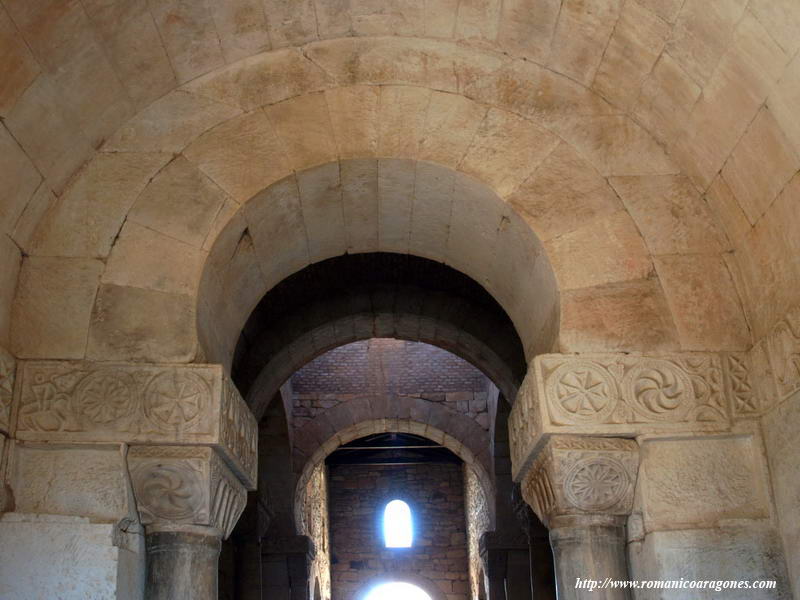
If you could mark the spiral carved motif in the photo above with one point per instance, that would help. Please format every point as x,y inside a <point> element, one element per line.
<point>168,491</point>
<point>658,390</point>
<point>596,483</point>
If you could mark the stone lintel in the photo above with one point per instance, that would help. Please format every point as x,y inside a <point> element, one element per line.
<point>622,395</point>
<point>582,476</point>
<point>180,488</point>
<point>136,403</point>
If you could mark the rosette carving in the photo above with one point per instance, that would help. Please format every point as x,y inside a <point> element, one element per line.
<point>582,475</point>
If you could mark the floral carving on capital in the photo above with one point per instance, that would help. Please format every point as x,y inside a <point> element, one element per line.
<point>582,475</point>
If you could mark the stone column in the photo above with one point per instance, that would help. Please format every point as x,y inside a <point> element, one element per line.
<point>188,500</point>
<point>170,449</point>
<point>582,490</point>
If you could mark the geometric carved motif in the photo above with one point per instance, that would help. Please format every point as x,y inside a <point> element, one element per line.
<point>72,401</point>
<point>582,475</point>
<point>596,483</point>
<point>616,394</point>
<point>783,348</point>
<point>8,367</point>
<point>622,388</point>
<point>176,485</point>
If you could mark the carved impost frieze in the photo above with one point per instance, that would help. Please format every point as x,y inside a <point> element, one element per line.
<point>8,368</point>
<point>185,485</point>
<point>616,394</point>
<point>578,475</point>
<point>768,373</point>
<point>74,401</point>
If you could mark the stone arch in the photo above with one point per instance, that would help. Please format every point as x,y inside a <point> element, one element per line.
<point>425,584</point>
<point>464,118</point>
<point>356,297</point>
<point>309,462</point>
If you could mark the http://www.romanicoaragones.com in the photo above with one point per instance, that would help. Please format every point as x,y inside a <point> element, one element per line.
<point>674,584</point>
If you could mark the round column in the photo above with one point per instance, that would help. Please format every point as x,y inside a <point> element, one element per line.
<point>589,547</point>
<point>182,565</point>
<point>582,488</point>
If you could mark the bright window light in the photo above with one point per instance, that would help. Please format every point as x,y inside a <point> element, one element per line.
<point>397,526</point>
<point>397,591</point>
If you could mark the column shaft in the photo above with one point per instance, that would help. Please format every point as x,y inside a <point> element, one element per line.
<point>182,565</point>
<point>589,548</point>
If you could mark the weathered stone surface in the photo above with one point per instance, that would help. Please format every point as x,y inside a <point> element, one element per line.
<point>130,37</point>
<point>170,123</point>
<point>781,438</point>
<point>85,220</point>
<point>563,194</point>
<point>705,304</point>
<point>354,115</point>
<point>701,35</point>
<point>52,307</point>
<point>606,250</point>
<point>275,221</point>
<point>666,99</point>
<point>137,260</point>
<point>242,28</point>
<point>616,146</point>
<point>526,27</point>
<point>10,265</point>
<point>179,202</point>
<point>741,82</point>
<point>107,565</point>
<point>578,56</point>
<point>129,323</point>
<point>701,482</point>
<point>451,123</point>
<point>669,212</point>
<point>86,481</point>
<point>760,165</point>
<point>8,370</point>
<point>505,149</point>
<point>189,36</point>
<point>719,555</point>
<point>20,68</point>
<point>638,40</point>
<point>54,144</point>
<point>401,122</point>
<point>242,155</point>
<point>616,394</point>
<point>136,403</point>
<point>304,125</point>
<point>263,79</point>
<point>725,206</point>
<point>623,316</point>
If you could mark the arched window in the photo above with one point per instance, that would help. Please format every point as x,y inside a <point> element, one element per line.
<point>397,591</point>
<point>398,529</point>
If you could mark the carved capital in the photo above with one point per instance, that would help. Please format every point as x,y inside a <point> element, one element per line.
<point>185,486</point>
<point>73,401</point>
<point>616,394</point>
<point>574,475</point>
<point>8,368</point>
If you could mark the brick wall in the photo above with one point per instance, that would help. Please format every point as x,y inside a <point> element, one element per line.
<point>389,368</point>
<point>383,365</point>
<point>435,492</point>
